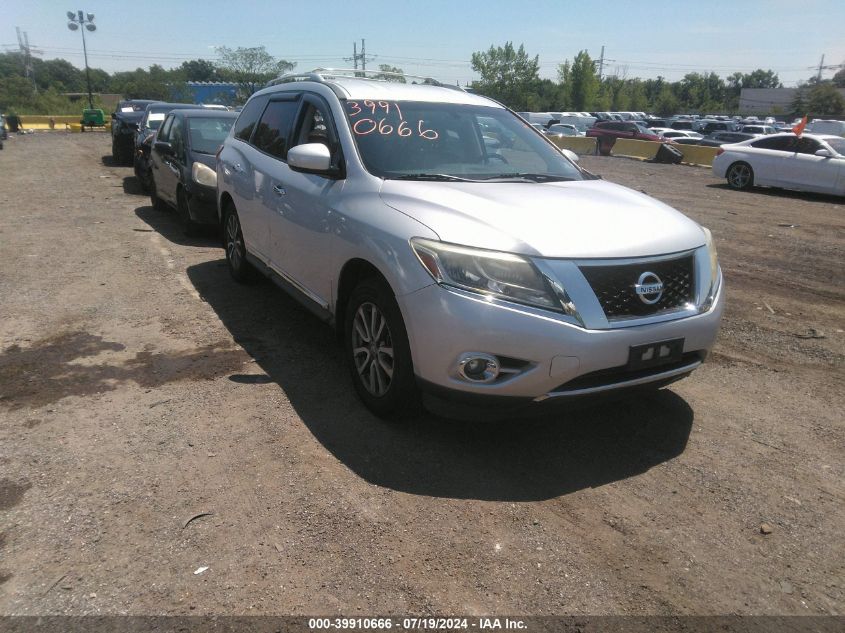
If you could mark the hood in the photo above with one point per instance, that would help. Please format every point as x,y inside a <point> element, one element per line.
<point>209,160</point>
<point>582,219</point>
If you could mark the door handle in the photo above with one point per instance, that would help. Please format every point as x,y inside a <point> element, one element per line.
<point>280,191</point>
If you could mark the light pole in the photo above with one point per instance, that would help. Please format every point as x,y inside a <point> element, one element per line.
<point>86,21</point>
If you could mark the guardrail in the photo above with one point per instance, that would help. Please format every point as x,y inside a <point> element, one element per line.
<point>577,144</point>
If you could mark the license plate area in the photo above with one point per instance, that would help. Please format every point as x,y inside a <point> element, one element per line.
<point>655,354</point>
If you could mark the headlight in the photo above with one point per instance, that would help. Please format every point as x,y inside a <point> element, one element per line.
<point>714,268</point>
<point>204,175</point>
<point>501,275</point>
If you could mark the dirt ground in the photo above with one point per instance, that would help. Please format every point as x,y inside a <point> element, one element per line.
<point>140,386</point>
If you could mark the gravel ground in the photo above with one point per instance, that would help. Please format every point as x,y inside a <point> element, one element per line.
<point>139,386</point>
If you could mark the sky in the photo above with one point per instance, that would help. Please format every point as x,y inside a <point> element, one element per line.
<point>437,37</point>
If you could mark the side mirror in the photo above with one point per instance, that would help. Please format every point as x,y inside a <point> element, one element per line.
<point>570,155</point>
<point>825,153</point>
<point>313,158</point>
<point>163,147</point>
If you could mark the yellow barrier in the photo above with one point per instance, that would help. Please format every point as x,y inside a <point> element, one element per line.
<point>631,148</point>
<point>577,144</point>
<point>42,122</point>
<point>698,154</point>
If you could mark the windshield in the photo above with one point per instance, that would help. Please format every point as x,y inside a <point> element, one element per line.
<point>154,120</point>
<point>837,144</point>
<point>208,133</point>
<point>446,141</point>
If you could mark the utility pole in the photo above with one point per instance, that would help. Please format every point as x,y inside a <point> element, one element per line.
<point>601,62</point>
<point>26,57</point>
<point>821,66</point>
<point>362,56</point>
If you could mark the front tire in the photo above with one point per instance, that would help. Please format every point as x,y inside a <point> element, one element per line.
<point>189,227</point>
<point>233,240</point>
<point>377,351</point>
<point>740,176</point>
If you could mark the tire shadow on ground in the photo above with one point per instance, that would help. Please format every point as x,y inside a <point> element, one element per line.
<point>806,196</point>
<point>514,460</point>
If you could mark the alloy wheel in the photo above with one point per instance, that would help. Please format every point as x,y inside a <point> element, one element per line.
<point>740,176</point>
<point>372,349</point>
<point>234,241</point>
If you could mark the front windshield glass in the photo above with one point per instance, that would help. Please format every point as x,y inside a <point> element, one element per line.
<point>208,133</point>
<point>446,141</point>
<point>154,120</point>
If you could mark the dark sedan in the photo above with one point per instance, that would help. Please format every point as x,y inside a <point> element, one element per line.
<point>124,124</point>
<point>150,122</point>
<point>184,164</point>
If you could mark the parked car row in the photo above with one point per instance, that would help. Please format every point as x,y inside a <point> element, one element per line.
<point>182,164</point>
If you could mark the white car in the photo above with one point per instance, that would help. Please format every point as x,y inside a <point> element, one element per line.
<point>681,134</point>
<point>810,162</point>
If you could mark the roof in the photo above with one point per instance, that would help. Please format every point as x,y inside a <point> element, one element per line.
<point>347,84</point>
<point>207,113</point>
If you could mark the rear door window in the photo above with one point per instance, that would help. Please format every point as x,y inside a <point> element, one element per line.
<point>273,131</point>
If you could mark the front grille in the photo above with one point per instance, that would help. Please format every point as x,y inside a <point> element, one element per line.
<point>614,286</point>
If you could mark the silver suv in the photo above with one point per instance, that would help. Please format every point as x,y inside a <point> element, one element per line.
<point>459,253</point>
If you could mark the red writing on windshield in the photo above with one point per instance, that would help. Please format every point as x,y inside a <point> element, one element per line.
<point>370,117</point>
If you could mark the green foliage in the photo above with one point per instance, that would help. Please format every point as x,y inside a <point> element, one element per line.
<point>391,71</point>
<point>839,78</point>
<point>250,68</point>
<point>508,75</point>
<point>200,70</point>
<point>585,83</point>
<point>824,99</point>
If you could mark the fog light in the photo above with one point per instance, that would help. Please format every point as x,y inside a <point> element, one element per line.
<point>478,367</point>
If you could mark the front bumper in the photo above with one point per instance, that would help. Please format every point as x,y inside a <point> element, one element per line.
<point>555,358</point>
<point>202,202</point>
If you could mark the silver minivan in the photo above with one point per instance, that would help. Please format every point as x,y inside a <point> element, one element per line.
<point>460,254</point>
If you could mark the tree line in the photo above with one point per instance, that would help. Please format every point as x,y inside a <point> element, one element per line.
<point>512,76</point>
<point>507,74</point>
<point>44,90</point>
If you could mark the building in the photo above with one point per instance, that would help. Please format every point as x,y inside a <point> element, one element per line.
<point>219,92</point>
<point>769,100</point>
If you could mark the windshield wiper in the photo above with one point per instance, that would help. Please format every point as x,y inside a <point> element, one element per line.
<point>523,177</point>
<point>434,177</point>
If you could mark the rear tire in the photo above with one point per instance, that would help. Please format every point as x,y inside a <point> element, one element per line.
<point>740,176</point>
<point>377,352</point>
<point>233,241</point>
<point>157,203</point>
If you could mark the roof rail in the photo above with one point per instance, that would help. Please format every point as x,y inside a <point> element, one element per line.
<point>325,75</point>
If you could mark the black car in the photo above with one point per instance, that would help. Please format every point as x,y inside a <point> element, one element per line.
<point>124,124</point>
<point>183,162</point>
<point>153,117</point>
